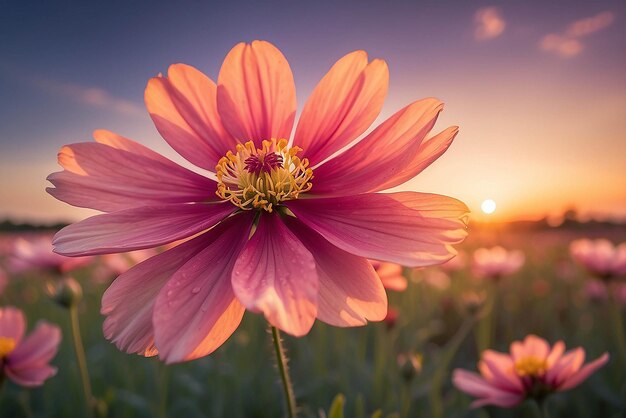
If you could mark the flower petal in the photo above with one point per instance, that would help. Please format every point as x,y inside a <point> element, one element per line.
<point>412,229</point>
<point>256,94</point>
<point>350,292</point>
<point>555,353</point>
<point>533,346</point>
<point>31,376</point>
<point>473,384</point>
<point>276,275</point>
<point>28,364</point>
<point>196,311</point>
<point>183,106</point>
<point>12,323</point>
<point>128,303</point>
<point>502,369</point>
<point>567,366</point>
<point>392,154</point>
<point>118,173</point>
<point>342,106</point>
<point>37,349</point>
<point>138,228</point>
<point>582,374</point>
<point>390,275</point>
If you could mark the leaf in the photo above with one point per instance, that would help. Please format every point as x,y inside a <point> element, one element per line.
<point>336,408</point>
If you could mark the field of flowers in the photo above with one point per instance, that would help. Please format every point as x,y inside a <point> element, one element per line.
<point>401,367</point>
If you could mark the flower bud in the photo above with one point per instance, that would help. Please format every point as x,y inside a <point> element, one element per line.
<point>410,365</point>
<point>66,292</point>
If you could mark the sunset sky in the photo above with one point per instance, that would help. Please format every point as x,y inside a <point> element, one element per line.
<point>538,88</point>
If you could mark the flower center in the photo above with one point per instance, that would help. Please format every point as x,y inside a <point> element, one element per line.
<point>530,366</point>
<point>261,178</point>
<point>6,346</point>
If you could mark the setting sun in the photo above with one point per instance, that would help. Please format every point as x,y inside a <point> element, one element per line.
<point>488,206</point>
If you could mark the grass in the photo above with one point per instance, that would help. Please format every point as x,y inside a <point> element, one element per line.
<point>241,380</point>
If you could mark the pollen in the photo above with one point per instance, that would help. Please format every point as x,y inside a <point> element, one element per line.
<point>6,346</point>
<point>261,178</point>
<point>530,366</point>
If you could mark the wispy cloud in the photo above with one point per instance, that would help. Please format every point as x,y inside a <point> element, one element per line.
<point>89,95</point>
<point>568,43</point>
<point>488,24</point>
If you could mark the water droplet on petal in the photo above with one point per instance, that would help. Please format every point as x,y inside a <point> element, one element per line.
<point>195,290</point>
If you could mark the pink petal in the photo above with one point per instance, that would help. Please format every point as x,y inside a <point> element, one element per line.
<point>196,311</point>
<point>392,154</point>
<point>31,376</point>
<point>12,323</point>
<point>138,228</point>
<point>38,348</point>
<point>555,354</point>
<point>28,364</point>
<point>473,384</point>
<point>350,292</point>
<point>582,374</point>
<point>563,369</point>
<point>119,174</point>
<point>256,94</point>
<point>183,107</point>
<point>532,346</point>
<point>502,368</point>
<point>390,275</point>
<point>276,275</point>
<point>412,229</point>
<point>128,303</point>
<point>342,106</point>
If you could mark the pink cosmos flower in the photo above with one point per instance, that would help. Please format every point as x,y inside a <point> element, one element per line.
<point>533,369</point>
<point>391,275</point>
<point>600,257</point>
<point>496,262</point>
<point>283,226</point>
<point>25,360</point>
<point>36,253</point>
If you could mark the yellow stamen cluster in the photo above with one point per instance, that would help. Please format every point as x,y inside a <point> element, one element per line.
<point>285,178</point>
<point>531,366</point>
<point>6,346</point>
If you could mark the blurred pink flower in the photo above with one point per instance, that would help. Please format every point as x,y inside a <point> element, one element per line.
<point>112,265</point>
<point>473,301</point>
<point>496,262</point>
<point>596,291</point>
<point>532,369</point>
<point>25,360</point>
<point>436,279</point>
<point>35,253</point>
<point>285,230</point>
<point>600,257</point>
<point>457,263</point>
<point>391,275</point>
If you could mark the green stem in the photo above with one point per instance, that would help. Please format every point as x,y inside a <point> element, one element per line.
<point>441,372</point>
<point>163,388</point>
<point>281,360</point>
<point>542,408</point>
<point>618,328</point>
<point>406,400</point>
<point>81,360</point>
